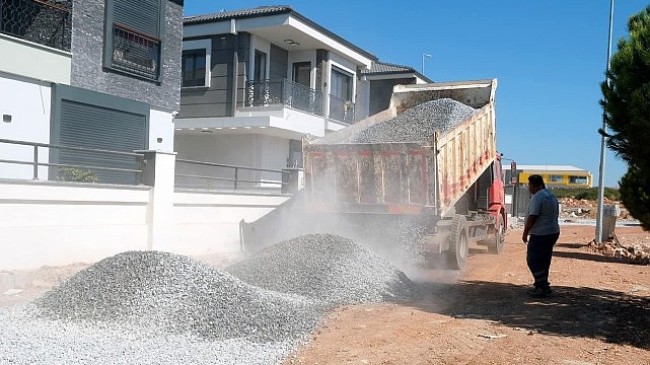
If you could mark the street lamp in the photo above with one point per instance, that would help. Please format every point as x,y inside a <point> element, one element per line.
<point>601,168</point>
<point>424,55</point>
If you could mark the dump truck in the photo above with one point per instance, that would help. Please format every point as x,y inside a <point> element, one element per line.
<point>447,183</point>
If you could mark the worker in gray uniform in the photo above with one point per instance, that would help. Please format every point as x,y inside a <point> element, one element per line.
<point>541,232</point>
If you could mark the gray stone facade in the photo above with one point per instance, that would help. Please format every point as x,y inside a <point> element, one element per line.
<point>88,71</point>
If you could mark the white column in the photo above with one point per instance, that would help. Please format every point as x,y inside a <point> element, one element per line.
<point>159,172</point>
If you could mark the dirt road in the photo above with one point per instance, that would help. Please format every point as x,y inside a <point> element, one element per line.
<point>599,315</point>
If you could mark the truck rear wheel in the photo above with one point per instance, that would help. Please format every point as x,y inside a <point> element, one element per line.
<point>496,244</point>
<point>458,243</point>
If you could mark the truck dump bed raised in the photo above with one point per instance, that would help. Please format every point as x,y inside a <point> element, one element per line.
<point>408,177</point>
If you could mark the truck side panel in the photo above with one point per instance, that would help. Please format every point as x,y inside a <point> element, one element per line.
<point>464,153</point>
<point>380,178</point>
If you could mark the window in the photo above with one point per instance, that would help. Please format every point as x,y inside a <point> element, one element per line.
<point>578,180</point>
<point>556,178</point>
<point>194,68</point>
<point>133,37</point>
<point>302,73</point>
<point>260,66</point>
<point>341,85</point>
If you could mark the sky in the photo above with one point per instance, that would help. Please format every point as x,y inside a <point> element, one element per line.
<point>549,58</point>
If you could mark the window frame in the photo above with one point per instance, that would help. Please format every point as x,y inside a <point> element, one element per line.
<point>578,180</point>
<point>350,78</point>
<point>196,45</point>
<point>109,41</point>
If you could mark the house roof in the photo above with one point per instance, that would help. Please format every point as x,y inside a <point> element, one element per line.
<point>238,14</point>
<point>549,168</point>
<point>270,10</point>
<point>383,68</point>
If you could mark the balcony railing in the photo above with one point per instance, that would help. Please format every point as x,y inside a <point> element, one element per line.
<point>47,22</point>
<point>341,110</point>
<point>284,92</point>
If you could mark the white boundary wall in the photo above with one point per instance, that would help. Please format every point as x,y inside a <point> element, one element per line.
<point>55,223</point>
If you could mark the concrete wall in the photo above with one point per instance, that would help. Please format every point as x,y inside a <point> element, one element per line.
<point>28,105</point>
<point>381,91</point>
<point>54,224</point>
<point>209,223</point>
<point>253,150</point>
<point>27,59</point>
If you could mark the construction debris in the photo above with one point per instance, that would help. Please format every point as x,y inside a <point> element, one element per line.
<point>638,253</point>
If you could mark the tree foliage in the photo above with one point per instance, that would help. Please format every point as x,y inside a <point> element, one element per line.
<point>635,192</point>
<point>626,104</point>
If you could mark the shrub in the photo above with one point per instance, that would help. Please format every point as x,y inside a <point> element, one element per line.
<point>77,175</point>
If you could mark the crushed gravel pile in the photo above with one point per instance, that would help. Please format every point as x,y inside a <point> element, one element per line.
<point>418,123</point>
<point>178,295</point>
<point>27,340</point>
<point>326,267</point>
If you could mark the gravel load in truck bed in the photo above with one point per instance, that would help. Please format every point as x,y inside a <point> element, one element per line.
<point>325,267</point>
<point>418,123</point>
<point>177,295</point>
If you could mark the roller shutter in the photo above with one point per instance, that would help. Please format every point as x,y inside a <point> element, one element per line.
<point>97,127</point>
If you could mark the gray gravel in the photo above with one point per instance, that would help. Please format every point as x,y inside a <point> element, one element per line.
<point>177,294</point>
<point>26,340</point>
<point>326,267</point>
<point>418,123</point>
<point>160,308</point>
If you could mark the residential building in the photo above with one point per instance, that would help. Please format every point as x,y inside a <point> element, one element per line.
<point>376,84</point>
<point>555,176</point>
<point>256,81</point>
<point>101,74</point>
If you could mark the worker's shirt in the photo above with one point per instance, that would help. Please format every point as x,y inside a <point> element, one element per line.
<point>545,206</point>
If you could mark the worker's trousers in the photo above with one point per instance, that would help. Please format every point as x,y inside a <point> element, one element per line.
<point>538,257</point>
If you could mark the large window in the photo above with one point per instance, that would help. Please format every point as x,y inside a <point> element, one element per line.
<point>133,36</point>
<point>341,84</point>
<point>194,68</point>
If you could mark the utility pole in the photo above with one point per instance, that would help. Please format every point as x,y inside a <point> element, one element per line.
<point>603,139</point>
<point>424,55</point>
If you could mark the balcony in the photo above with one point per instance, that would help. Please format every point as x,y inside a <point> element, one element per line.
<point>341,110</point>
<point>286,93</point>
<point>46,22</point>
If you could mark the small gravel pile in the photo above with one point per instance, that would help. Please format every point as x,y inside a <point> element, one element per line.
<point>178,295</point>
<point>326,267</point>
<point>418,123</point>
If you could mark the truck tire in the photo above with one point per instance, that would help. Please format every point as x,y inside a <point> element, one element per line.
<point>496,244</point>
<point>458,243</point>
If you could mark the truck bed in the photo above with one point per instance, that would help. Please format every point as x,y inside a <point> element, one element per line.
<point>425,176</point>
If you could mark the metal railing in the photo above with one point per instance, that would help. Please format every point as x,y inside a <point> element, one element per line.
<point>75,164</point>
<point>47,22</point>
<point>135,52</point>
<point>215,176</point>
<point>284,92</point>
<point>341,109</point>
